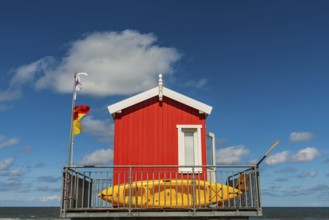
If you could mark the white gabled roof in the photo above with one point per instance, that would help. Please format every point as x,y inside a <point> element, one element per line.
<point>117,107</point>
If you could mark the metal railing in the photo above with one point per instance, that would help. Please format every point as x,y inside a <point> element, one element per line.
<point>152,190</point>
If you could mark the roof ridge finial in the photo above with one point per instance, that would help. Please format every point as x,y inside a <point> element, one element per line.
<point>160,87</point>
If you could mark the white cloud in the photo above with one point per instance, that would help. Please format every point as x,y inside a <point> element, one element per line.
<point>4,107</point>
<point>26,150</point>
<point>99,157</point>
<point>5,142</point>
<point>47,198</point>
<point>27,73</point>
<point>47,189</point>
<point>117,63</point>
<point>9,95</point>
<point>301,136</point>
<point>308,174</point>
<point>306,154</point>
<point>287,170</point>
<point>277,158</point>
<point>49,179</point>
<point>280,179</point>
<point>6,163</point>
<point>96,127</point>
<point>254,161</point>
<point>16,173</point>
<point>303,155</point>
<point>231,155</point>
<point>196,84</point>
<point>319,191</point>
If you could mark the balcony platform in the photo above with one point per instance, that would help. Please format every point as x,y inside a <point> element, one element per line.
<point>82,185</point>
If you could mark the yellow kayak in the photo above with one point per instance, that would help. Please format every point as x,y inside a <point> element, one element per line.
<point>169,194</point>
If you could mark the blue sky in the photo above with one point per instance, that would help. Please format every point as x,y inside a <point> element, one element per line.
<point>262,65</point>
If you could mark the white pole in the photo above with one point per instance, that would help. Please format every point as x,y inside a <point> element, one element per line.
<point>70,150</point>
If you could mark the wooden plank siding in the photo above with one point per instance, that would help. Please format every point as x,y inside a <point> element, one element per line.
<point>146,134</point>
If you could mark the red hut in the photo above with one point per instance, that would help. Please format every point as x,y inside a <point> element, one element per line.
<point>162,154</point>
<point>159,127</point>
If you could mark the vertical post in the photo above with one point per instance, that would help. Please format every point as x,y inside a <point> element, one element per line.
<point>130,192</point>
<point>69,161</point>
<point>67,181</point>
<point>259,199</point>
<point>64,193</point>
<point>193,189</point>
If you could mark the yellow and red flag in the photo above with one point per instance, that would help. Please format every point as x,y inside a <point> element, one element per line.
<point>78,113</point>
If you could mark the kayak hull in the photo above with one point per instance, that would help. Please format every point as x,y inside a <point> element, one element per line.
<point>169,194</point>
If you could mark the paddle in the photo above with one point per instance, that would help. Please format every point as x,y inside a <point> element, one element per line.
<point>268,152</point>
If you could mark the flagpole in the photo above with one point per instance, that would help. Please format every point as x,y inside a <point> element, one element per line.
<point>70,153</point>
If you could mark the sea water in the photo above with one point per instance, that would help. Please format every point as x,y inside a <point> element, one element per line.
<point>25,213</point>
<point>292,213</point>
<point>52,213</point>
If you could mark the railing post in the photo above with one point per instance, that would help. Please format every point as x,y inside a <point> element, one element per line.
<point>64,193</point>
<point>193,189</point>
<point>257,179</point>
<point>130,185</point>
<point>67,187</point>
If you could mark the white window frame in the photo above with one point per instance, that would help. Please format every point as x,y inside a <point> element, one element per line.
<point>197,148</point>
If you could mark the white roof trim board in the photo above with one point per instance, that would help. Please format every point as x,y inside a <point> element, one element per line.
<point>117,107</point>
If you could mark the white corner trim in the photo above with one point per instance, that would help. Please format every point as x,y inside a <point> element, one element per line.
<point>133,100</point>
<point>212,135</point>
<point>187,100</point>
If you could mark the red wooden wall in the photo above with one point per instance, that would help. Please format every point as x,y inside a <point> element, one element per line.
<point>146,134</point>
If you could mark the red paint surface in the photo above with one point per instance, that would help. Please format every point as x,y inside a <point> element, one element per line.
<point>146,134</point>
